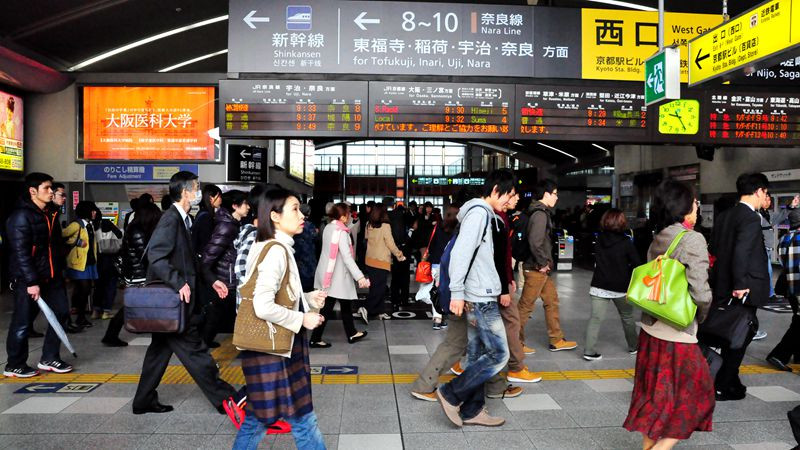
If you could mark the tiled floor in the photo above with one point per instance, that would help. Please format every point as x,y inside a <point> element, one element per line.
<point>584,410</point>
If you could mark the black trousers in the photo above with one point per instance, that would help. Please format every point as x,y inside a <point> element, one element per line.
<point>327,311</point>
<point>194,355</point>
<point>220,314</point>
<point>115,325</point>
<point>377,290</point>
<point>728,376</point>
<point>400,281</point>
<point>81,290</point>
<point>790,343</point>
<point>55,295</point>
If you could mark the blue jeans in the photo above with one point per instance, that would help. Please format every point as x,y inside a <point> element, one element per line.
<point>487,354</point>
<point>55,295</point>
<point>304,429</point>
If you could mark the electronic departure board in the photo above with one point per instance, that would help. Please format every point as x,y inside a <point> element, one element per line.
<point>441,110</point>
<point>753,118</point>
<point>580,113</point>
<point>292,108</point>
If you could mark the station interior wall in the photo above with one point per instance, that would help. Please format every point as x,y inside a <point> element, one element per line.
<point>51,135</point>
<point>717,176</point>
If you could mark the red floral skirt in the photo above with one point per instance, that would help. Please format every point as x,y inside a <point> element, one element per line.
<point>673,393</point>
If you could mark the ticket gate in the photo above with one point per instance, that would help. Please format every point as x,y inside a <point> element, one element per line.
<point>565,250</point>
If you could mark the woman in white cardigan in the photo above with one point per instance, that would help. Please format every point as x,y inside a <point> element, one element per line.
<point>337,273</point>
<point>279,385</point>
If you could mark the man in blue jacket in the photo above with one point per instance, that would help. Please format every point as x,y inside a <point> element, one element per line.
<point>475,287</point>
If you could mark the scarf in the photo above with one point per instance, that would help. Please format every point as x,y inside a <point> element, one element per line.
<point>334,252</point>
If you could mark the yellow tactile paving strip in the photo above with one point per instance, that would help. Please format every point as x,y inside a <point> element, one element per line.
<point>226,353</point>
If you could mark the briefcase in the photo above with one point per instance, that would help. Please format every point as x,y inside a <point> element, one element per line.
<point>727,325</point>
<point>154,308</point>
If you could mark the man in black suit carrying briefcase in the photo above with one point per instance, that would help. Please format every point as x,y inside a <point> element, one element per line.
<point>172,260</point>
<point>740,270</point>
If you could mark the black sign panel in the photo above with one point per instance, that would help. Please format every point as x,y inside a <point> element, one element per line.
<point>292,108</point>
<point>580,113</point>
<point>752,118</point>
<point>380,37</point>
<point>441,110</point>
<point>558,43</point>
<point>247,163</point>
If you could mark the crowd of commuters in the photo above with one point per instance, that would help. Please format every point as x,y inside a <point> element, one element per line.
<point>262,246</point>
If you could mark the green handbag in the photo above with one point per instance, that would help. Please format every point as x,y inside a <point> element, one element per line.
<point>659,287</point>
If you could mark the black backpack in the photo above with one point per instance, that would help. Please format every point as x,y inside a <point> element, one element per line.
<point>520,250</point>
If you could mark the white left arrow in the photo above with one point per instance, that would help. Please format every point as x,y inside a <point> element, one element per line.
<point>39,388</point>
<point>251,19</point>
<point>360,20</point>
<point>244,154</point>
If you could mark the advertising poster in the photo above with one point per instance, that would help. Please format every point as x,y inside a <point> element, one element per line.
<point>149,123</point>
<point>296,158</point>
<point>10,132</point>
<point>309,163</point>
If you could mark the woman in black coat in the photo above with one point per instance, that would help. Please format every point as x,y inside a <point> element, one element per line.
<point>217,260</point>
<point>133,264</point>
<point>615,259</point>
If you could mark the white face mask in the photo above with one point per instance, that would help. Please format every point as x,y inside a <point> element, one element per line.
<point>198,197</point>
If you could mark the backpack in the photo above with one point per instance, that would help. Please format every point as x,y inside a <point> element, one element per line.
<point>520,250</point>
<point>444,264</point>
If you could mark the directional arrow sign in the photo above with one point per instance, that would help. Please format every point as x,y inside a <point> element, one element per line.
<point>340,370</point>
<point>244,154</point>
<point>40,388</point>
<point>361,21</point>
<point>759,37</point>
<point>251,19</point>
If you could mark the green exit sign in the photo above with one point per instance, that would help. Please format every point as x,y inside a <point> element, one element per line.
<point>662,76</point>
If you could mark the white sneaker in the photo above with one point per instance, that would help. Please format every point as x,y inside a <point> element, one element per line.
<point>384,316</point>
<point>759,335</point>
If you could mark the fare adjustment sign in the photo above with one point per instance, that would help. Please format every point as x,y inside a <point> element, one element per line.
<point>758,37</point>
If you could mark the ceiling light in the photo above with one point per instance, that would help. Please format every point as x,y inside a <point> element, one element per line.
<point>559,151</point>
<point>608,153</point>
<point>144,41</point>
<point>517,143</point>
<point>194,60</point>
<point>625,5</point>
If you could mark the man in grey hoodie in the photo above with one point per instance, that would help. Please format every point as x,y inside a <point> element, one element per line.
<point>475,287</point>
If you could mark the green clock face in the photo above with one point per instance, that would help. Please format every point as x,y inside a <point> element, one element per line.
<point>679,117</point>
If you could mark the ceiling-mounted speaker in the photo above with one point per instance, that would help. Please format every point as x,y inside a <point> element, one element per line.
<point>705,152</point>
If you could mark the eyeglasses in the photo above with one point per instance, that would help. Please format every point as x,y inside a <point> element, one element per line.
<point>60,194</point>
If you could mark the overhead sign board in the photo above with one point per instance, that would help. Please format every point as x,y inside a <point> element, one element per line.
<point>292,108</point>
<point>760,35</point>
<point>444,110</point>
<point>752,118</point>
<point>662,76</point>
<point>380,37</point>
<point>247,163</point>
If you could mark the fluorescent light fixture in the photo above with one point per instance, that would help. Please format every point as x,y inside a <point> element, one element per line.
<point>193,60</point>
<point>517,143</point>
<point>144,41</point>
<point>559,151</point>
<point>625,5</point>
<point>600,147</point>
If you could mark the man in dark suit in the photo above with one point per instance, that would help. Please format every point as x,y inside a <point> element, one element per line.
<point>172,260</point>
<point>740,270</point>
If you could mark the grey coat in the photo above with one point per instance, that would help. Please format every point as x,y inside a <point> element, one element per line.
<point>692,252</point>
<point>345,271</point>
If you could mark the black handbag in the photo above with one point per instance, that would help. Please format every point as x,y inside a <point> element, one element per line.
<point>727,325</point>
<point>154,308</point>
<point>713,359</point>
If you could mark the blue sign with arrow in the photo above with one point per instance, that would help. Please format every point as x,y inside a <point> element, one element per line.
<point>340,370</point>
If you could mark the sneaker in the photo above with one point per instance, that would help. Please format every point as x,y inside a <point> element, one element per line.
<point>484,419</point>
<point>759,335</point>
<point>384,316</point>
<point>280,427</point>
<point>20,372</point>
<point>510,392</point>
<point>563,345</point>
<point>437,325</point>
<point>457,369</point>
<point>428,397</point>
<point>363,313</point>
<point>593,357</point>
<point>524,376</point>
<point>107,316</point>
<point>55,365</point>
<point>528,350</point>
<point>451,411</point>
<point>444,323</point>
<point>633,352</point>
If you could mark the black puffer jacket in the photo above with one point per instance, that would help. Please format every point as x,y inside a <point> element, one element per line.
<point>219,255</point>
<point>31,233</point>
<point>615,259</point>
<point>134,265</point>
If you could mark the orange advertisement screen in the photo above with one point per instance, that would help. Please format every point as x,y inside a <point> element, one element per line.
<point>148,123</point>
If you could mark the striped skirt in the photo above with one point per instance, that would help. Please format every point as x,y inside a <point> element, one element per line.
<point>278,387</point>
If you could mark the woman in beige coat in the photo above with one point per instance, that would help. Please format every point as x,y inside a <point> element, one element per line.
<point>380,248</point>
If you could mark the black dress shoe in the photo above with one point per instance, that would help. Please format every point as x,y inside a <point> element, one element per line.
<point>35,334</point>
<point>154,408</point>
<point>357,337</point>
<point>778,364</point>
<point>320,344</point>
<point>723,396</point>
<point>114,342</point>
<point>72,329</point>
<point>213,344</point>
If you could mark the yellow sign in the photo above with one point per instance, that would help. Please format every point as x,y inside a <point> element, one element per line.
<point>756,34</point>
<point>616,43</point>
